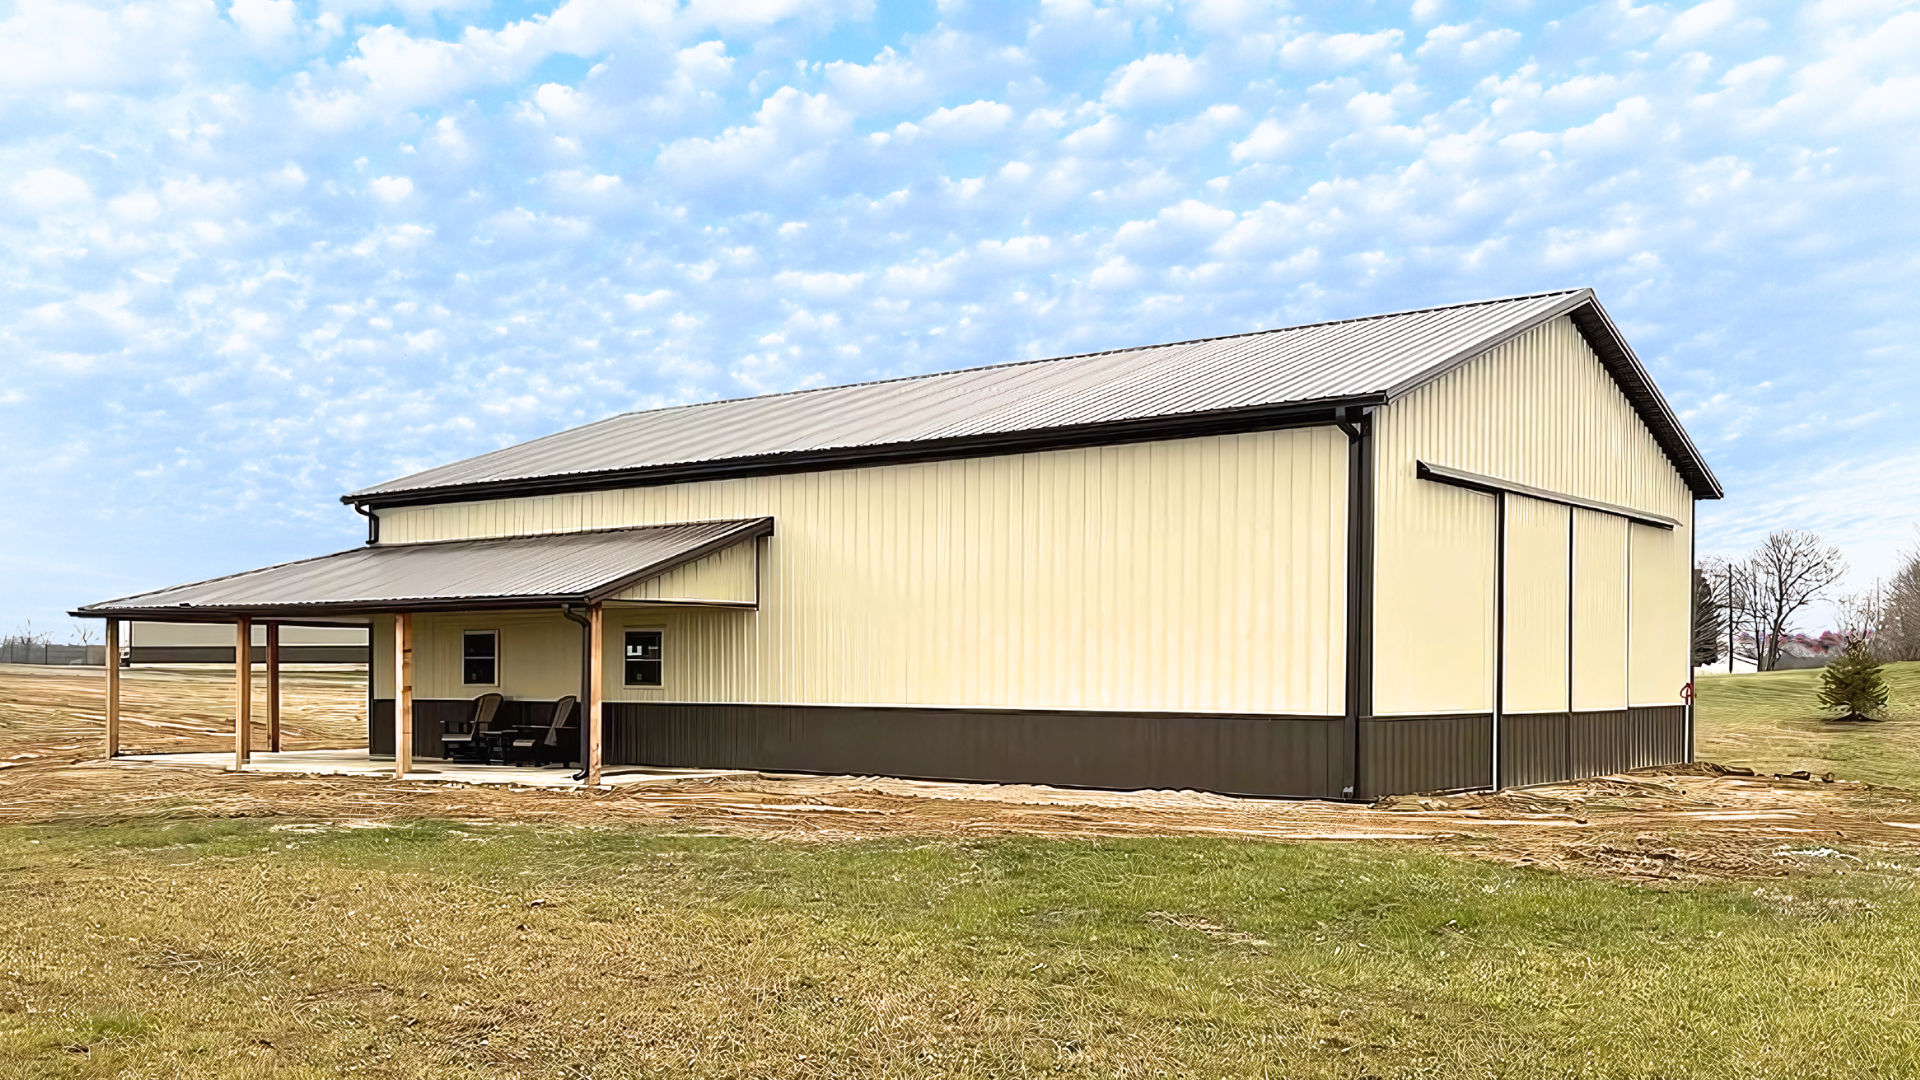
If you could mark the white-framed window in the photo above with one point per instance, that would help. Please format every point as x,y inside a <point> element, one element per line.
<point>644,662</point>
<point>480,657</point>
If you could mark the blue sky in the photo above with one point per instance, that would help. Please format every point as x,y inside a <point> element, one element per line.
<point>256,254</point>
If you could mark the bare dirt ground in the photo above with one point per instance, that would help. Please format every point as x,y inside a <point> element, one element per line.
<point>1681,824</point>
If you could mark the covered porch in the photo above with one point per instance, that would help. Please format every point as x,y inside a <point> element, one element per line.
<point>523,621</point>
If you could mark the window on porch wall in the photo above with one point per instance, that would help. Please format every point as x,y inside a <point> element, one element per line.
<point>480,658</point>
<point>645,661</point>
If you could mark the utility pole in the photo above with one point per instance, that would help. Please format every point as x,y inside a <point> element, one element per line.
<point>1729,619</point>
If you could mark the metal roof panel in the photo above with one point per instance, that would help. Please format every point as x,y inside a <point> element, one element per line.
<point>1382,355</point>
<point>554,568</point>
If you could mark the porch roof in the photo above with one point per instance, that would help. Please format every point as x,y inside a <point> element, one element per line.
<point>518,571</point>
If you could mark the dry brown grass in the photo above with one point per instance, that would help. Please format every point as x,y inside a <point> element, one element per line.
<point>176,710</point>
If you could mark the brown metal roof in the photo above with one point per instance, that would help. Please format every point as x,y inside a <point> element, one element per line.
<point>1261,379</point>
<point>520,571</point>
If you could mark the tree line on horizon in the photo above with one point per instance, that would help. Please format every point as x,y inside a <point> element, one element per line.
<point>1748,605</point>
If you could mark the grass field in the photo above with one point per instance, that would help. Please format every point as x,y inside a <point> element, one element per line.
<point>288,947</point>
<point>232,949</point>
<point>1770,722</point>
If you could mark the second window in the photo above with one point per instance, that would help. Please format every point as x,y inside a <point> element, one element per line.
<point>645,661</point>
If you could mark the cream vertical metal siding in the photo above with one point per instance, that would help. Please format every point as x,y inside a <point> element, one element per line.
<point>1201,575</point>
<point>729,576</point>
<point>1539,410</point>
<point>1433,594</point>
<point>1538,550</point>
<point>1659,646</point>
<point>539,654</point>
<point>1599,611</point>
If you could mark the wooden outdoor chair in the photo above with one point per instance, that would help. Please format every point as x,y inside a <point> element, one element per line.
<point>473,740</point>
<point>558,741</point>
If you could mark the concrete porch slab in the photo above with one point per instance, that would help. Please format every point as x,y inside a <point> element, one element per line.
<point>357,763</point>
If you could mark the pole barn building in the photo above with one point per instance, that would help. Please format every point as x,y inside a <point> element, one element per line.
<point>1440,549</point>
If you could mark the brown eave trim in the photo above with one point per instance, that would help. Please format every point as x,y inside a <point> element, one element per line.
<point>1152,429</point>
<point>292,612</point>
<point>1460,478</point>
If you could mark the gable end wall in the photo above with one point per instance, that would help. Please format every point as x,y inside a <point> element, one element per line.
<point>1542,411</point>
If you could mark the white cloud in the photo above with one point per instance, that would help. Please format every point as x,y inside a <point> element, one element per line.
<point>50,189</point>
<point>257,230</point>
<point>890,82</point>
<point>391,189</point>
<point>1460,45</point>
<point>397,70</point>
<point>49,43</point>
<point>266,22</point>
<point>968,123</point>
<point>1695,24</point>
<point>1316,50</point>
<point>825,285</point>
<point>1154,79</point>
<point>788,124</point>
<point>1115,273</point>
<point>1266,142</point>
<point>1175,230</point>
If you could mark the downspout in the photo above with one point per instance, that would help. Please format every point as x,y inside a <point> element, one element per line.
<point>1500,632</point>
<point>373,522</point>
<point>586,680</point>
<point>1693,562</point>
<point>1358,426</point>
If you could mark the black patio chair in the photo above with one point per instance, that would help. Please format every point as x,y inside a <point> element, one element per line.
<point>472,741</point>
<point>558,741</point>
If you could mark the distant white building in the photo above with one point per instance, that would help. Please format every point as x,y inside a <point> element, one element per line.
<point>212,643</point>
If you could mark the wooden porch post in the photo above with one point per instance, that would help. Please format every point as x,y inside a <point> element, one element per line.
<point>596,688</point>
<point>113,687</point>
<point>273,687</point>
<point>242,690</point>
<point>402,694</point>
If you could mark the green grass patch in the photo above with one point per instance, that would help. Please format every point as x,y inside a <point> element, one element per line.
<point>1771,722</point>
<point>438,949</point>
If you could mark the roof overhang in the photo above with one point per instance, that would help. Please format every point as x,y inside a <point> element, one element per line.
<point>546,571</point>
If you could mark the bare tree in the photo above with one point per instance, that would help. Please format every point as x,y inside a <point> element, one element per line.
<point>1858,614</point>
<point>83,633</point>
<point>1777,581</point>
<point>1734,586</point>
<point>1896,633</point>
